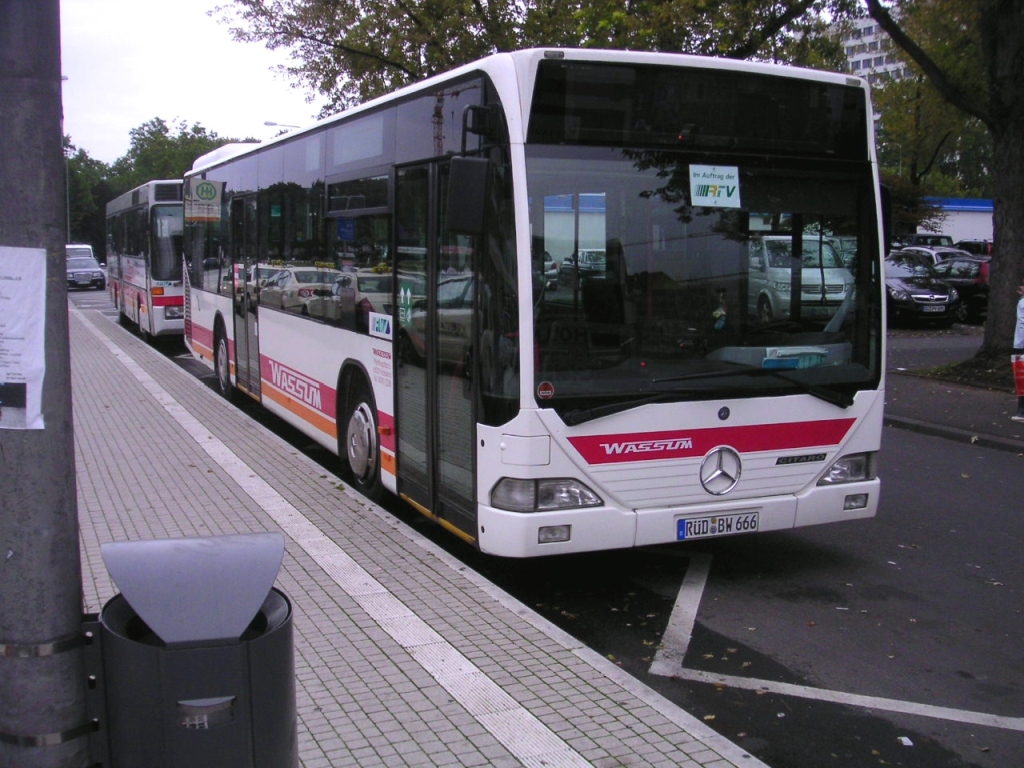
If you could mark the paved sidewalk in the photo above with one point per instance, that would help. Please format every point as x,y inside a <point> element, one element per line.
<point>403,657</point>
<point>954,411</point>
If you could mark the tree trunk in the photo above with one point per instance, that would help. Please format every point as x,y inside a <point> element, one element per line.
<point>1002,34</point>
<point>1007,268</point>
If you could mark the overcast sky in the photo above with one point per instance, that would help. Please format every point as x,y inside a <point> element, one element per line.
<point>128,61</point>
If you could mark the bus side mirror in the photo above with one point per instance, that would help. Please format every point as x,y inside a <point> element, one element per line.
<point>467,194</point>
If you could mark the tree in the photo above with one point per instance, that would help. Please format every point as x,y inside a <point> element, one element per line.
<point>975,64</point>
<point>353,51</point>
<point>157,153</point>
<point>924,138</point>
<point>88,190</point>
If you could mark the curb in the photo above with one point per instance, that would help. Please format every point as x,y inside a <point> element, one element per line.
<point>952,433</point>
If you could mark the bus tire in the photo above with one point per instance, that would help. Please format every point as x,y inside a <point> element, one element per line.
<point>222,365</point>
<point>360,448</point>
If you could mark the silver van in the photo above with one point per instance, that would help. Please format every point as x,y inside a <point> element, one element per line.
<point>824,280</point>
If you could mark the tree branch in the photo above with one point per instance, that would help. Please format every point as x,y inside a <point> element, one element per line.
<point>946,88</point>
<point>769,29</point>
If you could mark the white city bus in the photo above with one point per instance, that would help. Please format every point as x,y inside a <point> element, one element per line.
<point>640,396</point>
<point>144,257</point>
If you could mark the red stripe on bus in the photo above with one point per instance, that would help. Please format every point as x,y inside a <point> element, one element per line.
<point>687,443</point>
<point>168,301</point>
<point>300,388</point>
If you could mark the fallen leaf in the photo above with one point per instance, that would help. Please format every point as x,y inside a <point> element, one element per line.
<point>709,718</point>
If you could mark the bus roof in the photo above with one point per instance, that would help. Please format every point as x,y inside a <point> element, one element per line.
<point>524,64</point>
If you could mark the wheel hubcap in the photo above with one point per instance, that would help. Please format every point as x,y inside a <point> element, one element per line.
<point>361,441</point>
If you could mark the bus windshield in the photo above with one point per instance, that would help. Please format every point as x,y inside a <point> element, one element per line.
<point>166,253</point>
<point>654,296</point>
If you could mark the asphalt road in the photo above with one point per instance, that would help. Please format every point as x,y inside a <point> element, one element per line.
<point>893,641</point>
<point>915,349</point>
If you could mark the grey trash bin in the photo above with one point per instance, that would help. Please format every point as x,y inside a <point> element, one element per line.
<point>198,659</point>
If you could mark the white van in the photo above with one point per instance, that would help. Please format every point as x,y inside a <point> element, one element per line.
<point>824,280</point>
<point>77,249</point>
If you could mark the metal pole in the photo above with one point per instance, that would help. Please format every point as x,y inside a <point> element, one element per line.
<point>42,683</point>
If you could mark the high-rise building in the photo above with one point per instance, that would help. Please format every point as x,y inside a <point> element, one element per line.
<point>870,53</point>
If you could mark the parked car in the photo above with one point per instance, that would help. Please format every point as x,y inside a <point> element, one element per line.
<point>823,278</point>
<point>969,275</point>
<point>976,247</point>
<point>454,322</point>
<point>292,287</point>
<point>591,264</point>
<point>257,278</point>
<point>847,249</point>
<point>926,238</point>
<point>935,253</point>
<point>915,292</point>
<point>550,268</point>
<point>85,272</point>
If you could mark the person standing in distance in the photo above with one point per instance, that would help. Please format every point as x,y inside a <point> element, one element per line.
<point>1017,359</point>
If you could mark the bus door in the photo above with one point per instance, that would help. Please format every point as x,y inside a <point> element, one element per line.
<point>434,344</point>
<point>246,296</point>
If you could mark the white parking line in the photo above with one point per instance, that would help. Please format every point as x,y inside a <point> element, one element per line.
<point>856,700</point>
<point>674,643</point>
<point>668,662</point>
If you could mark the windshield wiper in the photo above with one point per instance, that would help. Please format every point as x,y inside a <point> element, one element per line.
<point>832,396</point>
<point>580,415</point>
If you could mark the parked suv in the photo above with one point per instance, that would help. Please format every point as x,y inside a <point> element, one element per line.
<point>976,247</point>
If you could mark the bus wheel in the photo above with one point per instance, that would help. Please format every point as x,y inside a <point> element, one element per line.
<point>361,455</point>
<point>222,366</point>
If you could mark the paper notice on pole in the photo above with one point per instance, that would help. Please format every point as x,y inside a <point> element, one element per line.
<point>22,329</point>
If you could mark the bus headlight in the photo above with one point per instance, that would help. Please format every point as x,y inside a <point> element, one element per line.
<point>850,469</point>
<point>542,495</point>
<point>174,313</point>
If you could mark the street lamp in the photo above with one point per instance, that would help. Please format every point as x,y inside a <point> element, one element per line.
<point>279,125</point>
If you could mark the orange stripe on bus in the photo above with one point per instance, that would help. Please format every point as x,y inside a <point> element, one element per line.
<point>301,410</point>
<point>204,352</point>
